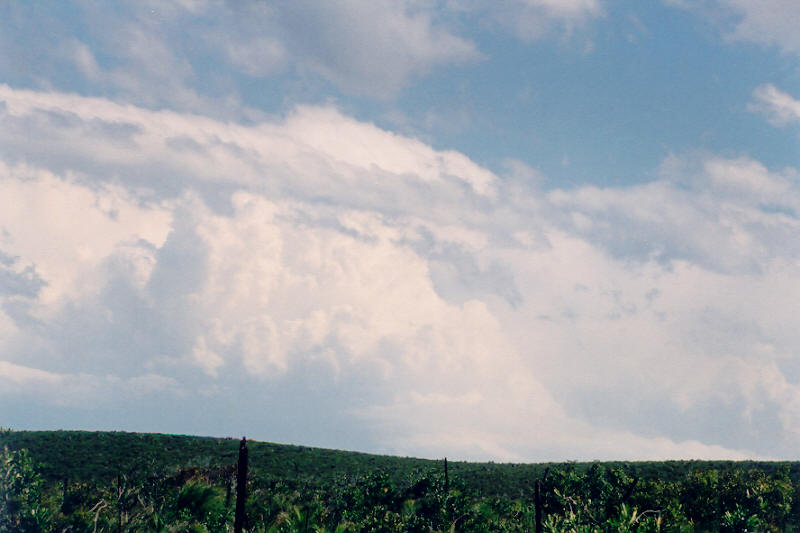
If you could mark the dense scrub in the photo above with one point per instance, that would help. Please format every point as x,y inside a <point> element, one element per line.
<point>152,494</point>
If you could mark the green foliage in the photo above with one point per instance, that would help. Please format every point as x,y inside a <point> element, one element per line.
<point>294,489</point>
<point>21,494</point>
<point>203,504</point>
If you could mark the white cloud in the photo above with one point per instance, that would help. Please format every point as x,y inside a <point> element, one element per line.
<point>67,230</point>
<point>779,107</point>
<point>326,131</point>
<point>727,215</point>
<point>22,374</point>
<point>772,22</point>
<point>437,307</point>
<point>328,150</point>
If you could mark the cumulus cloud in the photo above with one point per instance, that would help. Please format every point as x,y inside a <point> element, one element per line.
<point>334,155</point>
<point>65,229</point>
<point>362,279</point>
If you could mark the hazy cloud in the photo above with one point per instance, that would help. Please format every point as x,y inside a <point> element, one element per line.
<point>531,20</point>
<point>768,22</point>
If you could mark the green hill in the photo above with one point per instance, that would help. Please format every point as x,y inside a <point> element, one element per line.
<point>131,482</point>
<point>101,455</point>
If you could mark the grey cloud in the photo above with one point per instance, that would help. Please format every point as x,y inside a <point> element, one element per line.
<point>390,43</point>
<point>16,280</point>
<point>181,263</point>
<point>125,329</point>
<point>730,216</point>
<point>714,419</point>
<point>67,142</point>
<point>305,407</point>
<point>160,53</point>
<point>457,274</point>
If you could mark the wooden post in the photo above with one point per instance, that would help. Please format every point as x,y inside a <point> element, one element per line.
<point>228,488</point>
<point>241,487</point>
<point>538,505</point>
<point>119,503</point>
<point>446,479</point>
<point>629,490</point>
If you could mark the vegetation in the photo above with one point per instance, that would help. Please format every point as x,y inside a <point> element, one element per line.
<point>79,481</point>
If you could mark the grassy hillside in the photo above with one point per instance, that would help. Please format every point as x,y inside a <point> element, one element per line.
<point>70,481</point>
<point>100,456</point>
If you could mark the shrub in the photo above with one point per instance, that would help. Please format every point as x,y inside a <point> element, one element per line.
<point>21,507</point>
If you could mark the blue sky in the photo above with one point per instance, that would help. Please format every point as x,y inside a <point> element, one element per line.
<point>530,230</point>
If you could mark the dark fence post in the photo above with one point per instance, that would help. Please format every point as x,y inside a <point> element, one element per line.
<point>228,488</point>
<point>446,479</point>
<point>629,490</point>
<point>538,504</point>
<point>64,494</point>
<point>241,487</point>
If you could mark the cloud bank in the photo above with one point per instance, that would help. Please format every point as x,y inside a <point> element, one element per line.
<point>401,298</point>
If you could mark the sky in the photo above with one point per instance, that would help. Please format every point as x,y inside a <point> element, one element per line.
<point>529,231</point>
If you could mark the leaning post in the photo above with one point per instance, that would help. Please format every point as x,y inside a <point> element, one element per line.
<point>119,502</point>
<point>241,487</point>
<point>537,499</point>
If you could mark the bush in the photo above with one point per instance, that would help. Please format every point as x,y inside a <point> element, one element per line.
<point>21,506</point>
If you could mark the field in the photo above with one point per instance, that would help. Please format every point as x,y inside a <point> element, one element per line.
<point>115,481</point>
